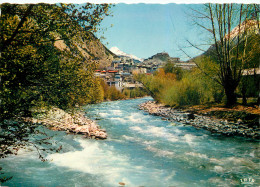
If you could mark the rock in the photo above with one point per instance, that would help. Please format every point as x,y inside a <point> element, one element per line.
<point>102,135</point>
<point>59,120</point>
<point>224,127</point>
<point>191,116</point>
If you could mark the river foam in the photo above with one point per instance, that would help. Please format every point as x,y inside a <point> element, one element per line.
<point>93,159</point>
<point>156,132</point>
<point>160,152</point>
<point>136,118</point>
<point>139,140</point>
<point>142,150</point>
<point>204,156</point>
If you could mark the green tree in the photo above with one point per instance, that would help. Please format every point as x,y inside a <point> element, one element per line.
<point>170,67</point>
<point>32,69</point>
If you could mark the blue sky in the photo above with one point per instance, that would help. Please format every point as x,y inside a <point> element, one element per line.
<point>146,29</point>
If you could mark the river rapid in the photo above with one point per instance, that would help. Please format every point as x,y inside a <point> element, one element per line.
<point>141,150</point>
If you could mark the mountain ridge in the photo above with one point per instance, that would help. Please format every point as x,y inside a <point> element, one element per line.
<point>118,52</point>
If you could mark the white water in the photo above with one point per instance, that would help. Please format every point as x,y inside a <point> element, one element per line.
<point>141,150</point>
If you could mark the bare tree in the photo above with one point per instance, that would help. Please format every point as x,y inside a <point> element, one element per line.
<point>232,28</point>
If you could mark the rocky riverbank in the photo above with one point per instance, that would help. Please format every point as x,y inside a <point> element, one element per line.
<point>59,120</point>
<point>212,124</point>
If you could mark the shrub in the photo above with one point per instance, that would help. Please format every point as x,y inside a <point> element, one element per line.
<point>184,92</point>
<point>110,92</point>
<point>193,88</point>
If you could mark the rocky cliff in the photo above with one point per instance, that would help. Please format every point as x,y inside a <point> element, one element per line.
<point>157,59</point>
<point>89,46</point>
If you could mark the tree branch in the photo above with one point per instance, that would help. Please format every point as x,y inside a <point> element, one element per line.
<point>7,42</point>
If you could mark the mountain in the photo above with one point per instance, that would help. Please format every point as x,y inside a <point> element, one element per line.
<point>248,28</point>
<point>157,59</point>
<point>90,48</point>
<point>160,56</point>
<point>118,52</point>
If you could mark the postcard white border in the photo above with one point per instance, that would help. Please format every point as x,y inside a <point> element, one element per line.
<point>132,1</point>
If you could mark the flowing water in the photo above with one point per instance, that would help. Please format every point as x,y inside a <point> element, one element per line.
<point>142,150</point>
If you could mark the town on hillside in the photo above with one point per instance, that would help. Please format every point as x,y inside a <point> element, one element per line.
<point>122,69</point>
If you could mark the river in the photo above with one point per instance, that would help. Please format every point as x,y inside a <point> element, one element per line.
<point>141,150</point>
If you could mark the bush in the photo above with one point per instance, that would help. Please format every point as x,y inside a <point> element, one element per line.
<point>184,92</point>
<point>110,92</point>
<point>134,93</point>
<point>218,95</point>
<point>192,89</point>
<point>154,84</point>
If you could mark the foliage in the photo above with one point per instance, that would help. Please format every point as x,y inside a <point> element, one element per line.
<point>154,83</point>
<point>134,93</point>
<point>171,68</point>
<point>97,92</point>
<point>232,50</point>
<point>110,92</point>
<point>33,71</point>
<point>207,73</point>
<point>248,87</point>
<point>192,89</point>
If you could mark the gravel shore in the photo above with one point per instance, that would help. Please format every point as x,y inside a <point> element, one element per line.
<point>214,125</point>
<point>77,123</point>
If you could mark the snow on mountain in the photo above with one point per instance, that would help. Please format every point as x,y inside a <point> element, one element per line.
<point>118,52</point>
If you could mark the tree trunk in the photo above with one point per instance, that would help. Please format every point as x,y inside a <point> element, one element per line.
<point>244,100</point>
<point>243,91</point>
<point>231,96</point>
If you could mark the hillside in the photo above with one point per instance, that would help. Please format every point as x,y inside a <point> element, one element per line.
<point>249,27</point>
<point>157,59</point>
<point>90,48</point>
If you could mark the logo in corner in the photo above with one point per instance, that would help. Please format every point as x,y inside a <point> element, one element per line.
<point>248,181</point>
